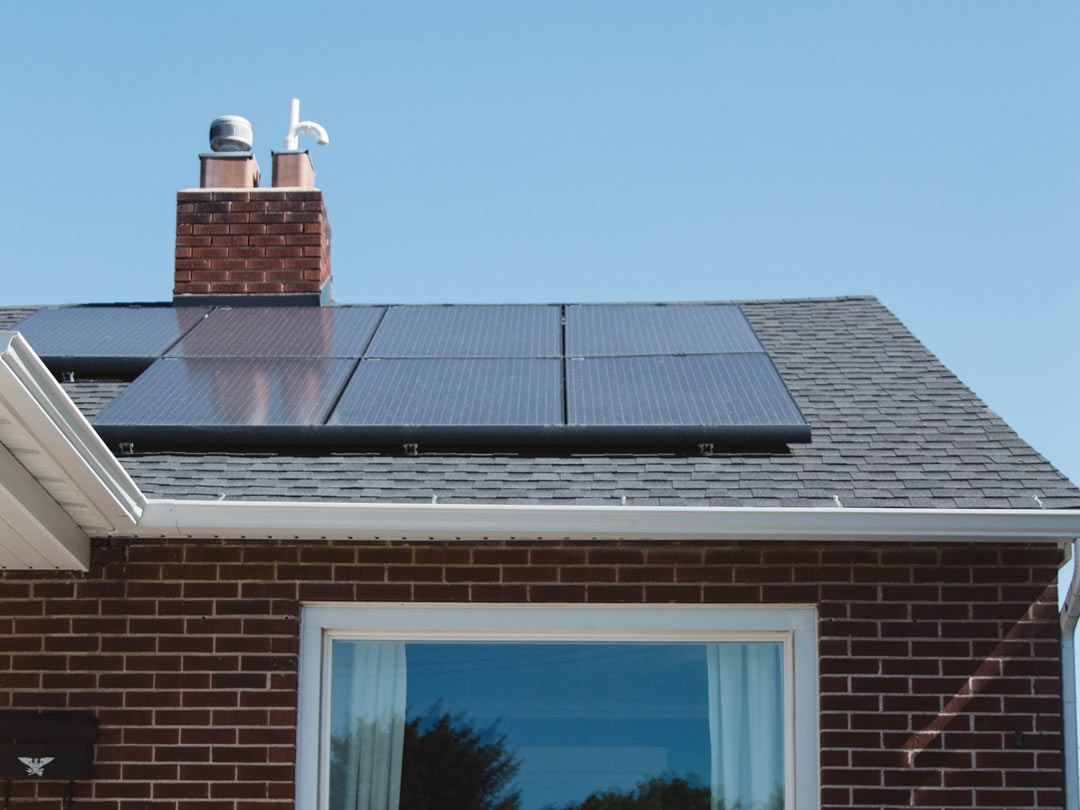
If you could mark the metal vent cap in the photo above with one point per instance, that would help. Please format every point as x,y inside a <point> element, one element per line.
<point>231,133</point>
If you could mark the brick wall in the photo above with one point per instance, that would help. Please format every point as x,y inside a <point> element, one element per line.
<point>940,681</point>
<point>245,242</point>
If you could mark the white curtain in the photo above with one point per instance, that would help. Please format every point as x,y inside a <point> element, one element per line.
<point>746,724</point>
<point>377,708</point>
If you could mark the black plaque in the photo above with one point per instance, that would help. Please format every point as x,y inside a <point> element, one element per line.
<point>47,745</point>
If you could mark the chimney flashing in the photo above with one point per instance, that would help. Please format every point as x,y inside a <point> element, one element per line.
<point>323,298</point>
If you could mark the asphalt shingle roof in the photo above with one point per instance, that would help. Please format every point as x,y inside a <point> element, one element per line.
<point>892,427</point>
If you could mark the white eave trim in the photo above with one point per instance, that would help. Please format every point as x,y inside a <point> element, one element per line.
<point>410,521</point>
<point>59,483</point>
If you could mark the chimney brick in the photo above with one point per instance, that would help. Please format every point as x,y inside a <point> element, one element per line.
<point>251,242</point>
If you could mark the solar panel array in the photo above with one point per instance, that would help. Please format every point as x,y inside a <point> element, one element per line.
<point>468,377</point>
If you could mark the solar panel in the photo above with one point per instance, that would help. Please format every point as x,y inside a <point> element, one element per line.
<point>601,330</point>
<point>228,392</point>
<point>469,331</point>
<point>453,391</point>
<point>474,378</point>
<point>106,340</point>
<point>737,390</point>
<point>282,332</point>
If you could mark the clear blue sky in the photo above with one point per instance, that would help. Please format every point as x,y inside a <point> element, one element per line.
<point>927,153</point>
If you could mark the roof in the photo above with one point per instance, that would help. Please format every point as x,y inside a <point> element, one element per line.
<point>892,427</point>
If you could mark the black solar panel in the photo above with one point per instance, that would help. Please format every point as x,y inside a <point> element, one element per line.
<point>696,390</point>
<point>469,331</point>
<point>602,330</point>
<point>475,378</point>
<point>233,391</point>
<point>439,392</point>
<point>282,332</point>
<point>106,340</point>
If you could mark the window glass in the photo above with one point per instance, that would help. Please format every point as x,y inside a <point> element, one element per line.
<point>556,726</point>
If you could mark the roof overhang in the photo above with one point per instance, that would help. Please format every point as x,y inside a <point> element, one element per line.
<point>61,485</point>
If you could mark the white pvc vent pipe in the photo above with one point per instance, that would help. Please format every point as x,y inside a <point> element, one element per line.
<point>298,127</point>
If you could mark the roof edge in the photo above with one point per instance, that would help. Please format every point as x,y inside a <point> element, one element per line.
<point>46,433</point>
<point>416,522</point>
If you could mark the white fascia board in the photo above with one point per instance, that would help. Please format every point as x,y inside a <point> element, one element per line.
<point>47,433</point>
<point>345,521</point>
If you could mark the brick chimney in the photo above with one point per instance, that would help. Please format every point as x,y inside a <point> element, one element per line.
<point>239,244</point>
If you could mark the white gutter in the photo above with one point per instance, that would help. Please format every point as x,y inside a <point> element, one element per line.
<point>1070,613</point>
<point>411,521</point>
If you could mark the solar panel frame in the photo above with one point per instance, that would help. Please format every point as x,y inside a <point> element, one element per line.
<point>282,332</point>
<point>107,341</point>
<point>469,331</point>
<point>615,330</point>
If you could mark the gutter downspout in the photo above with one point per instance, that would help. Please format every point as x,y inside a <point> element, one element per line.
<point>1070,614</point>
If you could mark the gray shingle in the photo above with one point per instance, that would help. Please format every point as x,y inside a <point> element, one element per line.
<point>891,427</point>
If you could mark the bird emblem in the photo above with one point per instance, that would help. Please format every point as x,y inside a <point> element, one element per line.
<point>35,766</point>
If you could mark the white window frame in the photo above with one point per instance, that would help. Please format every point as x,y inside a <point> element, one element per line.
<point>794,626</point>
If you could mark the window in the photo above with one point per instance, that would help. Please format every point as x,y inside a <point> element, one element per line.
<point>557,708</point>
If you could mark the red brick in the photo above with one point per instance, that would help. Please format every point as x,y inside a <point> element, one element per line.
<point>384,592</point>
<point>655,574</point>
<point>615,593</point>
<point>732,594</point>
<point>207,772</point>
<point>415,573</point>
<point>673,593</point>
<point>440,592</point>
<point>587,573</point>
<point>530,573</point>
<point>498,593</point>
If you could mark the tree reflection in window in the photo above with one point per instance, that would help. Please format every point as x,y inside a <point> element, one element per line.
<point>667,793</point>
<point>447,764</point>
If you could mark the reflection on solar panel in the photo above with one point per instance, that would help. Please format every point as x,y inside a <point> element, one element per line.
<point>453,391</point>
<point>469,331</point>
<point>696,391</point>
<point>214,392</point>
<point>282,332</point>
<point>106,340</point>
<point>616,330</point>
